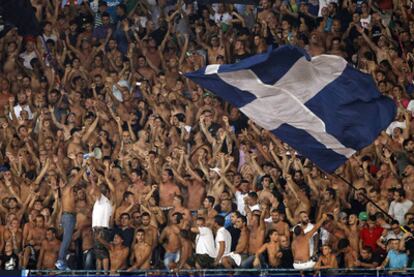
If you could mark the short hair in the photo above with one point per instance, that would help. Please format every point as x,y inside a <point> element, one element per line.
<point>169,172</point>
<point>219,220</point>
<point>140,230</point>
<point>297,230</point>
<point>332,192</point>
<point>74,130</point>
<point>127,194</point>
<point>125,214</point>
<point>394,221</point>
<point>211,199</point>
<point>343,243</point>
<point>252,194</point>
<point>201,218</point>
<point>272,231</point>
<point>401,192</point>
<point>145,214</point>
<point>179,217</point>
<point>53,230</point>
<point>243,218</point>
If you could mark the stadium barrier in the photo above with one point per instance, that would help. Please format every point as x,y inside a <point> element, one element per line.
<point>225,272</point>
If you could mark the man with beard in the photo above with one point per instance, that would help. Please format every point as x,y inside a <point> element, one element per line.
<point>301,245</point>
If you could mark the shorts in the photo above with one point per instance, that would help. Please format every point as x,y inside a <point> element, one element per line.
<point>237,258</point>
<point>204,260</point>
<point>100,250</point>
<point>303,266</point>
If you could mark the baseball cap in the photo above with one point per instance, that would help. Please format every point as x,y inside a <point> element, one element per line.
<point>363,216</point>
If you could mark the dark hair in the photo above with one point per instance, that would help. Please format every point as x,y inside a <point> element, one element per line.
<point>271,232</point>
<point>401,192</point>
<point>252,194</point>
<point>332,192</point>
<point>53,230</point>
<point>394,221</point>
<point>169,172</point>
<point>343,243</point>
<point>74,130</point>
<point>297,230</point>
<point>179,217</point>
<point>127,194</point>
<point>219,220</point>
<point>243,218</point>
<point>145,214</point>
<point>125,214</point>
<point>140,230</point>
<point>211,199</point>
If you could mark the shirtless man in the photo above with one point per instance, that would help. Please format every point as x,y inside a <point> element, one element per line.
<point>273,251</point>
<point>300,246</point>
<point>179,208</point>
<point>266,194</point>
<point>171,233</point>
<point>49,250</point>
<point>142,252</point>
<point>151,233</point>
<point>257,229</point>
<point>68,220</point>
<point>208,204</point>
<point>277,224</point>
<point>235,258</point>
<point>168,189</point>
<point>34,240</point>
<point>327,260</point>
<point>118,253</point>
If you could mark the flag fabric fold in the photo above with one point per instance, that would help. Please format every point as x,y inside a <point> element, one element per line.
<point>321,106</point>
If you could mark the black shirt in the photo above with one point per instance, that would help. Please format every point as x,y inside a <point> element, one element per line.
<point>287,258</point>
<point>127,235</point>
<point>235,235</point>
<point>357,207</point>
<point>9,262</point>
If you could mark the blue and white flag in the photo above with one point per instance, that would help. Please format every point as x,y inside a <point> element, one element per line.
<point>321,106</point>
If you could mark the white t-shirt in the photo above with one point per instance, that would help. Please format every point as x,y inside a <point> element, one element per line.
<point>223,235</point>
<point>102,212</point>
<point>240,201</point>
<point>205,242</point>
<point>410,107</point>
<point>398,210</point>
<point>222,18</point>
<point>393,125</point>
<point>18,109</point>
<point>323,234</point>
<point>27,58</point>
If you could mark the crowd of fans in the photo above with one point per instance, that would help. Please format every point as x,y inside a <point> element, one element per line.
<point>111,159</point>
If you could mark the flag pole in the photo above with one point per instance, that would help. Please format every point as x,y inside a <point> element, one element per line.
<point>369,200</point>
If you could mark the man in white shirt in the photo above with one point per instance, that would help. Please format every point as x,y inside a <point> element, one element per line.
<point>101,216</point>
<point>22,105</point>
<point>28,55</point>
<point>400,206</point>
<point>221,16</point>
<point>205,250</point>
<point>223,239</point>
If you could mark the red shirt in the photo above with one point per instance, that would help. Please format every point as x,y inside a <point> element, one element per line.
<point>369,237</point>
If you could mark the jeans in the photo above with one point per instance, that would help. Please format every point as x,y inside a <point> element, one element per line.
<point>68,223</point>
<point>89,260</point>
<point>170,258</point>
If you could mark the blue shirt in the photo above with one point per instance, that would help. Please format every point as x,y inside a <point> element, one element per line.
<point>397,259</point>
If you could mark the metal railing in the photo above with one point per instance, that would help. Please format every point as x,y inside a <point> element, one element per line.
<point>228,272</point>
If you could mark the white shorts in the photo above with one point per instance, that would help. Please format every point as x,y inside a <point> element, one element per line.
<point>236,257</point>
<point>303,266</point>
